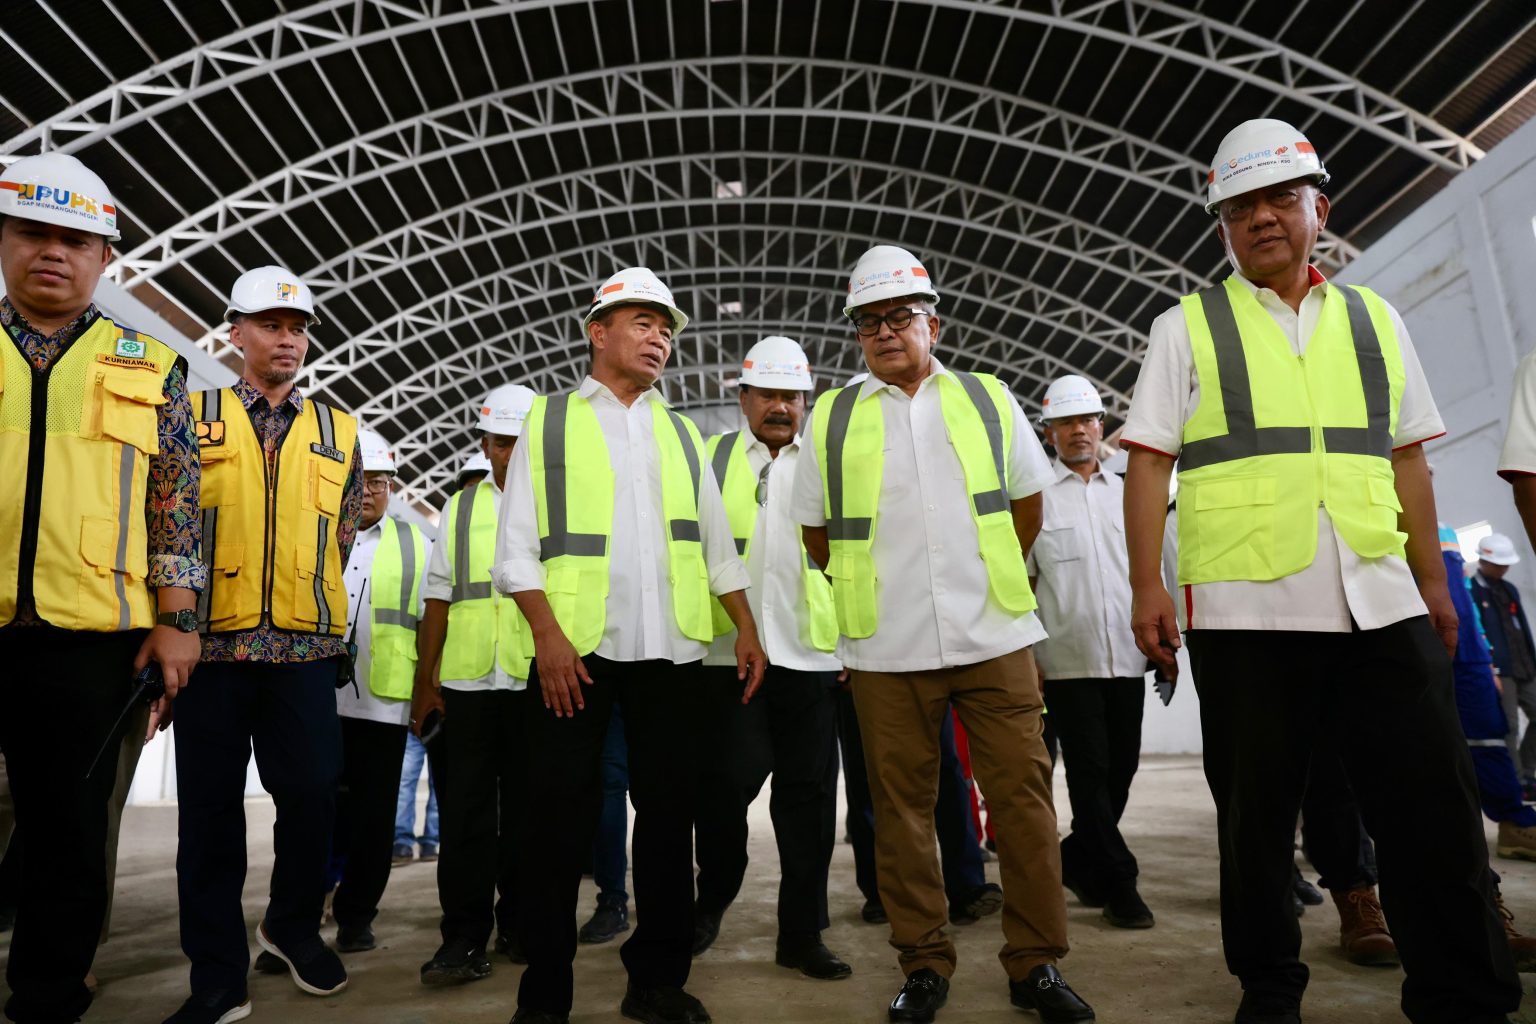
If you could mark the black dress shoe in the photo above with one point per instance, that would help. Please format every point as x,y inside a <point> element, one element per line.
<point>706,929</point>
<point>1047,994</point>
<point>1261,1008</point>
<point>1125,909</point>
<point>921,997</point>
<point>1087,894</point>
<point>977,904</point>
<point>510,947</point>
<point>539,1017</point>
<point>607,922</point>
<point>811,958</point>
<point>663,1006</point>
<point>354,938</point>
<point>455,962</point>
<point>874,912</point>
<point>1305,890</point>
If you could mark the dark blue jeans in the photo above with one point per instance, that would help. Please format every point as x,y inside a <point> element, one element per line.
<point>610,856</point>
<point>287,714</point>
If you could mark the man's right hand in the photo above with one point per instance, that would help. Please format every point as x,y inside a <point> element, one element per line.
<point>426,697</point>
<point>561,672</point>
<point>1156,627</point>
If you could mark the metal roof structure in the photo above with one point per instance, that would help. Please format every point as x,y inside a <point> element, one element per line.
<point>454,177</point>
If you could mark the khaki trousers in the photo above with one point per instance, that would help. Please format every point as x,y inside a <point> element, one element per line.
<point>999,704</point>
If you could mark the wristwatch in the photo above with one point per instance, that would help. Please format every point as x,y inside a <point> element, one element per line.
<point>185,620</point>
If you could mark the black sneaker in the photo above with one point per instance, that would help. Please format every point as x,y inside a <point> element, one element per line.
<point>663,1006</point>
<point>455,962</point>
<point>509,947</point>
<point>266,963</point>
<point>313,965</point>
<point>1125,909</point>
<point>212,1008</point>
<point>874,912</point>
<point>706,929</point>
<point>354,938</point>
<point>607,922</point>
<point>977,904</point>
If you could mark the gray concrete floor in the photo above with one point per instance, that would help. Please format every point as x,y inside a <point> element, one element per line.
<point>1172,973</point>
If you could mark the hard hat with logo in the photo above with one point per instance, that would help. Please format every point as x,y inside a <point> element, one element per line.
<point>777,363</point>
<point>1070,396</point>
<point>264,288</point>
<point>377,458</point>
<point>1498,549</point>
<point>505,409</point>
<point>632,285</point>
<point>887,272</point>
<point>1257,154</point>
<point>56,188</point>
<point>476,463</point>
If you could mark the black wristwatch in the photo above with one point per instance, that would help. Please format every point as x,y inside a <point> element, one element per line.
<point>185,620</point>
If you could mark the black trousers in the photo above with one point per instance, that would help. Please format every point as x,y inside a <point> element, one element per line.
<point>371,755</point>
<point>480,790</point>
<point>1098,722</point>
<point>287,714</point>
<point>790,730</point>
<point>1333,837</point>
<point>660,703</point>
<point>61,692</point>
<point>1384,697</point>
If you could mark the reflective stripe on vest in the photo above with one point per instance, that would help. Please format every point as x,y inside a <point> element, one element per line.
<point>394,595</point>
<point>558,540</point>
<point>1275,435</point>
<point>485,628</point>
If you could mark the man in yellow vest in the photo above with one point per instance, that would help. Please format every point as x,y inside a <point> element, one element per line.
<point>98,563</point>
<point>1311,586</point>
<point>613,542</point>
<point>472,677</point>
<point>282,499</point>
<point>919,494</point>
<point>791,729</point>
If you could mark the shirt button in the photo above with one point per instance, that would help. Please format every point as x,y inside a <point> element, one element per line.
<point>930,508</point>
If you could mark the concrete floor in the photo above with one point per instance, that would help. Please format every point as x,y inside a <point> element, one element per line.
<point>1172,973</point>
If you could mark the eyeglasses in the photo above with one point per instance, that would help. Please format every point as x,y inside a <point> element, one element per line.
<point>377,486</point>
<point>762,485</point>
<point>898,319</point>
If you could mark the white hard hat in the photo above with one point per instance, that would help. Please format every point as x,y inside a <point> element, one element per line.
<point>887,272</point>
<point>264,288</point>
<point>376,454</point>
<point>56,188</point>
<point>1498,549</point>
<point>635,284</point>
<point>1257,154</point>
<point>476,463</point>
<point>1070,396</point>
<point>778,363</point>
<point>505,409</point>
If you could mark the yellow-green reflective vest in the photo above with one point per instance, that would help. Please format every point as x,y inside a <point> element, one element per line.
<point>1276,435</point>
<point>394,595</point>
<point>573,496</point>
<point>727,455</point>
<point>849,433</point>
<point>483,624</point>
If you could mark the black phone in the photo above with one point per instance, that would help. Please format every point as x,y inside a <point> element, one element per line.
<point>431,726</point>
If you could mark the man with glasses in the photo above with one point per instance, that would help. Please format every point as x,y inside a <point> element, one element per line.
<point>791,729</point>
<point>919,495</point>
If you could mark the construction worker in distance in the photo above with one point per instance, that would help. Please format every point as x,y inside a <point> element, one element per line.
<point>472,676</point>
<point>919,494</point>
<point>476,468</point>
<point>613,541</point>
<point>1311,588</point>
<point>385,577</point>
<point>791,728</point>
<point>282,501</point>
<point>1091,668</point>
<point>99,569</point>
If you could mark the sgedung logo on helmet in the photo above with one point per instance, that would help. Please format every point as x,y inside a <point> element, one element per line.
<point>1252,161</point>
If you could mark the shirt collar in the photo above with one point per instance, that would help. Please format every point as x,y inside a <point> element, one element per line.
<point>591,387</point>
<point>1063,471</point>
<point>754,445</point>
<point>249,396</point>
<point>14,321</point>
<point>871,384</point>
<point>1315,279</point>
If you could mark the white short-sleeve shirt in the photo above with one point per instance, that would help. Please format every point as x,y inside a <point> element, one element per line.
<point>1339,588</point>
<point>1519,455</point>
<point>932,593</point>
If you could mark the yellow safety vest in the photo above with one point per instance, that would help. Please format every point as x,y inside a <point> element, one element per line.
<point>394,595</point>
<point>573,496</point>
<point>75,442</point>
<point>482,622</point>
<point>727,454</point>
<point>288,514</point>
<point>1276,435</point>
<point>849,433</point>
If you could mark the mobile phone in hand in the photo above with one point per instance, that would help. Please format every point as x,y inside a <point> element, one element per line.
<point>431,726</point>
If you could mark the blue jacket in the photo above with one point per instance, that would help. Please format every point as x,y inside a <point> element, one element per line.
<point>1493,623</point>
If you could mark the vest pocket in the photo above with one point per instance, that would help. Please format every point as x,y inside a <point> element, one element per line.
<point>1235,526</point>
<point>99,544</point>
<point>853,591</point>
<point>128,403</point>
<point>324,487</point>
<point>315,586</point>
<point>220,480</point>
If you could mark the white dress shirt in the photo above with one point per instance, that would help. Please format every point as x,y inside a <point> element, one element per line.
<point>1339,586</point>
<point>440,588</point>
<point>1519,455</point>
<point>776,566</point>
<point>1083,580</point>
<point>931,590</point>
<point>640,622</point>
<point>363,703</point>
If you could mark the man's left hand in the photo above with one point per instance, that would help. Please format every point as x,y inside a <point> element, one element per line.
<point>177,653</point>
<point>1442,615</point>
<point>751,661</point>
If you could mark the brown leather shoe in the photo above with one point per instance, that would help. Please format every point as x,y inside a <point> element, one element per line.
<point>1521,947</point>
<point>1363,928</point>
<point>1516,843</point>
